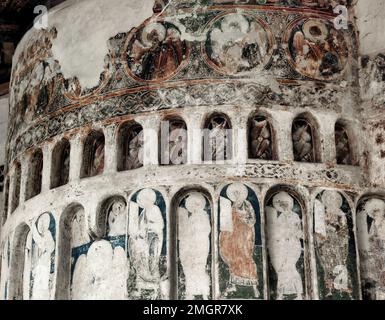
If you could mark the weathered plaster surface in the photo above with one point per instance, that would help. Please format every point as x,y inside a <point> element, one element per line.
<point>142,221</point>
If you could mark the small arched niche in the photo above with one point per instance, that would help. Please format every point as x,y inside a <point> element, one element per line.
<point>217,138</point>
<point>16,187</point>
<point>287,254</point>
<point>192,255</point>
<point>6,202</point>
<point>60,168</point>
<point>305,138</point>
<point>130,146</point>
<point>17,279</point>
<point>173,141</point>
<point>261,138</point>
<point>343,143</point>
<point>35,171</point>
<point>93,155</point>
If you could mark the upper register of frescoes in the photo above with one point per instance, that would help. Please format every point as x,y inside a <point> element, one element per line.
<point>224,41</point>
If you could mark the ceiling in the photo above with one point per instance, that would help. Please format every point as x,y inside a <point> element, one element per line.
<point>16,17</point>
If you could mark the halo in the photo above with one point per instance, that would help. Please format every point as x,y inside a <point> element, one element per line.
<point>235,19</point>
<point>373,204</point>
<point>332,197</point>
<point>282,196</point>
<point>308,26</point>
<point>145,197</point>
<point>195,200</point>
<point>147,30</point>
<point>44,221</point>
<point>237,192</point>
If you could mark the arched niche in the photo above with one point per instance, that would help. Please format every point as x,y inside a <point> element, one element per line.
<point>345,154</point>
<point>93,155</point>
<point>371,244</point>
<point>130,146</point>
<point>192,238</point>
<point>240,244</point>
<point>17,262</point>
<point>305,139</point>
<point>335,247</point>
<point>173,141</point>
<point>15,201</point>
<point>35,171</point>
<point>100,264</point>
<point>148,246</point>
<point>73,239</point>
<point>5,268</point>
<point>286,239</point>
<point>261,138</point>
<point>217,138</point>
<point>6,202</point>
<point>39,259</point>
<point>60,168</point>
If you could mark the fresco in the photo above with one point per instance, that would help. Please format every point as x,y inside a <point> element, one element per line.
<point>260,139</point>
<point>238,43</point>
<point>5,269</point>
<point>147,246</point>
<point>303,141</point>
<point>371,238</point>
<point>240,244</point>
<point>194,247</point>
<point>335,247</point>
<point>41,262</point>
<point>217,137</point>
<point>156,51</point>
<point>93,280</point>
<point>285,244</point>
<point>317,49</point>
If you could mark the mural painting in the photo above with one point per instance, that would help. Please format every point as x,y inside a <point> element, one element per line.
<point>335,247</point>
<point>147,246</point>
<point>92,279</point>
<point>285,243</point>
<point>371,238</point>
<point>240,244</point>
<point>156,51</point>
<point>317,49</point>
<point>194,247</point>
<point>39,264</point>
<point>238,43</point>
<point>5,269</point>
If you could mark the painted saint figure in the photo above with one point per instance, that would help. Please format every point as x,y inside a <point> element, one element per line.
<point>43,246</point>
<point>284,246</point>
<point>238,43</point>
<point>101,271</point>
<point>260,139</point>
<point>371,227</point>
<point>237,238</point>
<point>5,268</point>
<point>157,51</point>
<point>303,144</point>
<point>332,242</point>
<point>194,245</point>
<point>318,50</point>
<point>145,230</point>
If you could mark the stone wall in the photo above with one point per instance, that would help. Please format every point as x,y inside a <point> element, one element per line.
<point>87,182</point>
